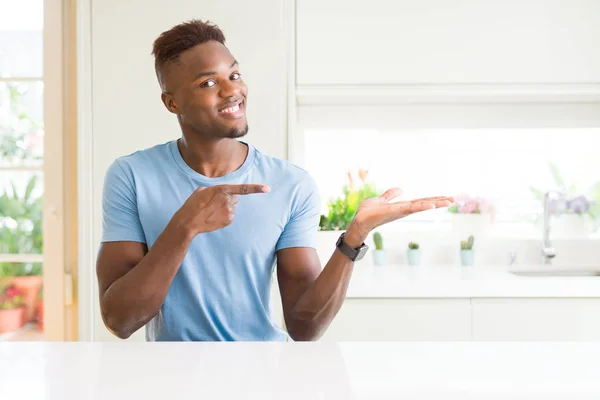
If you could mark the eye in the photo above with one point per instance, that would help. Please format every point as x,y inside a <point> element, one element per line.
<point>209,83</point>
<point>236,76</point>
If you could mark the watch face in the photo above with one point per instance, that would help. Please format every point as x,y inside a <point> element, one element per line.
<point>361,252</point>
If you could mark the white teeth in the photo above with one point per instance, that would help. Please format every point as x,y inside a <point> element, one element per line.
<point>232,109</point>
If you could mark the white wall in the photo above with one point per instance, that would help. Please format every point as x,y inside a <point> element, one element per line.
<point>127,113</point>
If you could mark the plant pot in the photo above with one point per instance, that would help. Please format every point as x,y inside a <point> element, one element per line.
<point>30,285</point>
<point>413,256</point>
<point>467,257</point>
<point>379,257</point>
<point>11,319</point>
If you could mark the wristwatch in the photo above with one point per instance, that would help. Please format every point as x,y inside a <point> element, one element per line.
<point>350,252</point>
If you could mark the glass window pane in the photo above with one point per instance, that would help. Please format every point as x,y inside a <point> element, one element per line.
<point>506,166</point>
<point>21,212</point>
<point>21,123</point>
<point>21,38</point>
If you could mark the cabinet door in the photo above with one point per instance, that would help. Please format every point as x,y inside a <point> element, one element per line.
<point>401,319</point>
<point>387,42</point>
<point>536,319</point>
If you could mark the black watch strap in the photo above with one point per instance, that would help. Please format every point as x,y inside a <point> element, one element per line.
<point>350,252</point>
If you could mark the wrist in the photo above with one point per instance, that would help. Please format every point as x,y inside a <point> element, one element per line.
<point>354,237</point>
<point>182,228</point>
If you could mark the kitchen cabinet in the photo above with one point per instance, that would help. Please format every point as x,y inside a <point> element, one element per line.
<point>464,42</point>
<point>478,319</point>
<point>401,319</point>
<point>557,319</point>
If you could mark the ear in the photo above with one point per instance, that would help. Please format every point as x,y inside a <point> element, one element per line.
<point>169,102</point>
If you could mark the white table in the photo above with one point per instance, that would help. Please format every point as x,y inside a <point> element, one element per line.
<point>287,371</point>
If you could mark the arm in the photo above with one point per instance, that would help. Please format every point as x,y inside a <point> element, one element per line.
<point>310,297</point>
<point>132,281</point>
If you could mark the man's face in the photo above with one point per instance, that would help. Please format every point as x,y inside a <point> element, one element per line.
<point>205,89</point>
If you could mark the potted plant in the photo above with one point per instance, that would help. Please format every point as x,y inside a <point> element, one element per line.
<point>341,211</point>
<point>27,277</point>
<point>11,309</point>
<point>413,254</point>
<point>379,252</point>
<point>470,215</point>
<point>467,253</point>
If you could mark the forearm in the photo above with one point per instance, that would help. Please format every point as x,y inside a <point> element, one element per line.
<point>319,304</point>
<point>135,298</point>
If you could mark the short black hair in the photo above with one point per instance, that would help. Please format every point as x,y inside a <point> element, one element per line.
<point>170,44</point>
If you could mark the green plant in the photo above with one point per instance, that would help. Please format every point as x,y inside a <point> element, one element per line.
<point>467,244</point>
<point>378,240</point>
<point>21,228</point>
<point>20,213</point>
<point>8,269</point>
<point>341,210</point>
<point>413,246</point>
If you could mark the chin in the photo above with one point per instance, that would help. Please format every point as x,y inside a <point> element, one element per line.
<point>236,133</point>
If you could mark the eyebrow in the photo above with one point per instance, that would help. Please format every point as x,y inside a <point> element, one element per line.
<point>207,73</point>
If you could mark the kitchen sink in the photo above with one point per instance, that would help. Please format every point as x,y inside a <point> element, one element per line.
<point>549,270</point>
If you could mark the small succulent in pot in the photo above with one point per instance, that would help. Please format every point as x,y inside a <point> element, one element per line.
<point>413,254</point>
<point>379,257</point>
<point>467,255</point>
<point>378,240</point>
<point>467,244</point>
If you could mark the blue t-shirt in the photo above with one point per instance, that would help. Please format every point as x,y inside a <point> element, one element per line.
<point>222,289</point>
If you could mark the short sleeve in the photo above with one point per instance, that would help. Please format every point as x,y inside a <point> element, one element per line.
<point>301,229</point>
<point>120,218</point>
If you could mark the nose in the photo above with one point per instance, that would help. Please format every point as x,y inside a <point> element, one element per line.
<point>230,89</point>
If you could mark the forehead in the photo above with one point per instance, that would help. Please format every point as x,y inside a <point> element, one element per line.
<point>209,56</point>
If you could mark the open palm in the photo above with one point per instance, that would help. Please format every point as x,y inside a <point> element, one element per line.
<point>381,210</point>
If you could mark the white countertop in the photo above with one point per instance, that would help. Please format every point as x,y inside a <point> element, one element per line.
<point>317,370</point>
<point>402,281</point>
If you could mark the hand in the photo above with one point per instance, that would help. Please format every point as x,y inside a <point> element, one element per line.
<point>212,208</point>
<point>380,210</point>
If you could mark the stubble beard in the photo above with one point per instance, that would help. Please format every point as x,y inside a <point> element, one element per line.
<point>237,133</point>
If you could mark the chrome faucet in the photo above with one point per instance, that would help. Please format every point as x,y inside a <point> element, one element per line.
<point>548,251</point>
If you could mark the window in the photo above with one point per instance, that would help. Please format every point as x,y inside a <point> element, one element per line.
<point>21,145</point>
<point>503,165</point>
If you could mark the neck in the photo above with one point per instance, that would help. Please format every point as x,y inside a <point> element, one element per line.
<point>213,158</point>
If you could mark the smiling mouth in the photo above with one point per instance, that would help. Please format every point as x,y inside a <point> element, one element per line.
<point>235,110</point>
<point>231,109</point>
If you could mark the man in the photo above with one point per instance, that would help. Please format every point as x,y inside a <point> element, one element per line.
<point>193,228</point>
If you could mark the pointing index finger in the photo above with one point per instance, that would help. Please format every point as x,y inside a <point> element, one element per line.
<point>245,189</point>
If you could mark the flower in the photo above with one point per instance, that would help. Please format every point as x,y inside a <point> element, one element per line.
<point>12,291</point>
<point>579,205</point>
<point>11,297</point>
<point>466,204</point>
<point>362,173</point>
